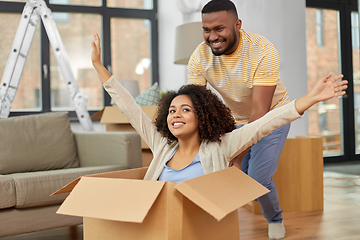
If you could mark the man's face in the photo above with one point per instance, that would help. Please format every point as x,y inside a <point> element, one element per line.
<point>221,32</point>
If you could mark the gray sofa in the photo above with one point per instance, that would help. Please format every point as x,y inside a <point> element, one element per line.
<point>39,154</point>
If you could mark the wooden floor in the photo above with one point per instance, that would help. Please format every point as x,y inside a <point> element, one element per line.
<point>340,219</point>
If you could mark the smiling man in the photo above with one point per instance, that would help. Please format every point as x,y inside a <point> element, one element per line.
<point>244,68</point>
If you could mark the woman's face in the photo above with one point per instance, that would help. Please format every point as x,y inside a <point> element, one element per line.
<point>182,120</point>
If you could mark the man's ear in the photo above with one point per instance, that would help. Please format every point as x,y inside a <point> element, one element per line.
<point>238,25</point>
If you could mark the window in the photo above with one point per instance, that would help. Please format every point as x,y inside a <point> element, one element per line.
<point>336,121</point>
<point>140,4</point>
<point>356,76</point>
<point>135,66</point>
<point>27,94</point>
<point>76,37</point>
<point>77,2</point>
<point>131,56</point>
<point>324,118</point>
<point>355,30</point>
<point>319,28</point>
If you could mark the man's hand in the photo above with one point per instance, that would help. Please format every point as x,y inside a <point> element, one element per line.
<point>238,159</point>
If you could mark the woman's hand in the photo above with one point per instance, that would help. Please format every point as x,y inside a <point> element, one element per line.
<point>103,73</point>
<point>96,50</point>
<point>324,89</point>
<point>328,87</point>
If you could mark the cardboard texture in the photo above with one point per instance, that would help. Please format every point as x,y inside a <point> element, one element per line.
<point>115,121</point>
<point>299,176</point>
<point>119,205</point>
<point>147,157</point>
<point>112,114</point>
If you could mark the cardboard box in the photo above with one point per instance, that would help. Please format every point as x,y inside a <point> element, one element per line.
<point>115,121</point>
<point>299,176</point>
<point>119,205</point>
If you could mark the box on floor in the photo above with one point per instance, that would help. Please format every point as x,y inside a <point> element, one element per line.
<point>120,205</point>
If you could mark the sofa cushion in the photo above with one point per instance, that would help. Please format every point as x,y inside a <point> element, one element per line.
<point>36,143</point>
<point>33,189</point>
<point>7,192</point>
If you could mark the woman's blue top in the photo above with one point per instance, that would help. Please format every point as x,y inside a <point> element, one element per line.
<point>193,170</point>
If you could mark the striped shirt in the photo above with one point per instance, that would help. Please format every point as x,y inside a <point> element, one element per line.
<point>254,63</point>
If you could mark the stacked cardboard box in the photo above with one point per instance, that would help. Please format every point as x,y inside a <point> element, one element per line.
<point>114,120</point>
<point>299,177</point>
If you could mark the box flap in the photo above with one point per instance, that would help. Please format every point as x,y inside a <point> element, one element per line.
<point>136,173</point>
<point>98,114</point>
<point>67,188</point>
<point>103,198</point>
<point>222,192</point>
<point>114,115</point>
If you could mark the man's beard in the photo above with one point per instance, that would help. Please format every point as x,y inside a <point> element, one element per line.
<point>218,52</point>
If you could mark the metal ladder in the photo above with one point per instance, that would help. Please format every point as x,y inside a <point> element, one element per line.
<point>33,10</point>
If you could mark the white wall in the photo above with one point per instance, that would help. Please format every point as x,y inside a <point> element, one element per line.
<point>172,76</point>
<point>281,21</point>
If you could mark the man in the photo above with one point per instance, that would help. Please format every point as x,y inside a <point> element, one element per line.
<point>244,68</point>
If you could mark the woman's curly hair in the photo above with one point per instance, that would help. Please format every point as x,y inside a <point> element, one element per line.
<point>214,118</point>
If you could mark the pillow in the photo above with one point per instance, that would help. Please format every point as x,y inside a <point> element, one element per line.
<point>150,97</point>
<point>36,143</point>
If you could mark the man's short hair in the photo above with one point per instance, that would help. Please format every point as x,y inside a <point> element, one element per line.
<point>219,5</point>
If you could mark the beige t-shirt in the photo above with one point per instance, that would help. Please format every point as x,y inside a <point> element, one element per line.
<point>255,63</point>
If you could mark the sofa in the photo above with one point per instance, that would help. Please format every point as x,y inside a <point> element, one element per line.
<point>39,154</point>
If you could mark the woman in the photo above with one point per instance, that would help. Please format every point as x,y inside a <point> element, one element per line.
<point>192,134</point>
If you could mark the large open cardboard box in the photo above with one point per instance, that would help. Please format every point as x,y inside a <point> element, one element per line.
<point>119,205</point>
<point>114,120</point>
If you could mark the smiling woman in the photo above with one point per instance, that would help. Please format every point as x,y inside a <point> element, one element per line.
<point>194,129</point>
<point>213,117</point>
<point>184,116</point>
<point>181,120</point>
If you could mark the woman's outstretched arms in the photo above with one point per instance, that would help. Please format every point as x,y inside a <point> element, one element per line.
<point>326,88</point>
<point>104,75</point>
